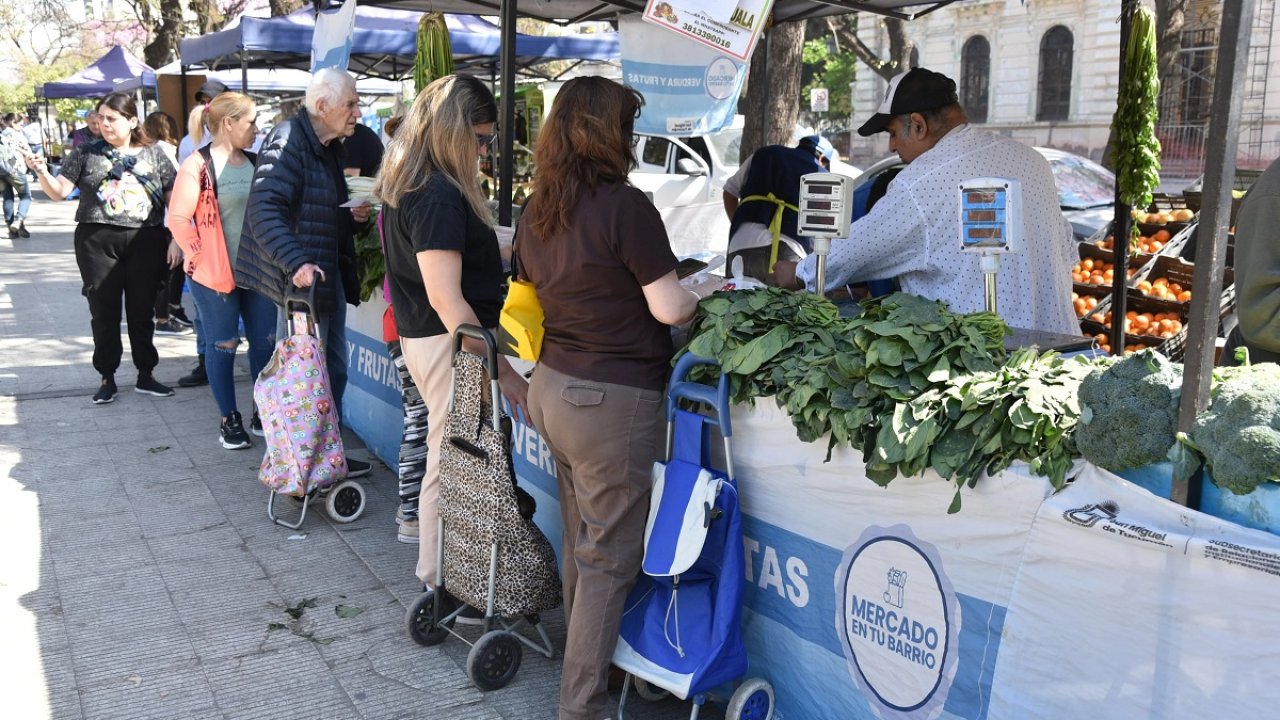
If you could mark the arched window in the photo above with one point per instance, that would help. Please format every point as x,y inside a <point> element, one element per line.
<point>1055,74</point>
<point>975,77</point>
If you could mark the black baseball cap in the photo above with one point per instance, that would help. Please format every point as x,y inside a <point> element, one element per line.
<point>211,89</point>
<point>916,90</point>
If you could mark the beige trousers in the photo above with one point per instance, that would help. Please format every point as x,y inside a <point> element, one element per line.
<point>430,362</point>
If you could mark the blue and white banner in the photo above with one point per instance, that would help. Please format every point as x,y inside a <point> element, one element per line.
<point>331,43</point>
<point>688,88</point>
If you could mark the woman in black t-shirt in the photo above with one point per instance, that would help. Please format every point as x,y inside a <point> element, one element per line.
<point>598,253</point>
<point>443,262</point>
<point>120,237</point>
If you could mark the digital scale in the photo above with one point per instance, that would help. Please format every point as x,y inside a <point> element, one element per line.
<point>826,211</point>
<point>990,225</point>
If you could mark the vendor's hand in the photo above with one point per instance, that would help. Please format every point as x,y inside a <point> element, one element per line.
<point>784,276</point>
<point>515,388</point>
<point>174,255</point>
<point>306,275</point>
<point>361,212</point>
<point>35,163</point>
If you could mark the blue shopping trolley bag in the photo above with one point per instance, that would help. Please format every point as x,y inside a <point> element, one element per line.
<point>682,623</point>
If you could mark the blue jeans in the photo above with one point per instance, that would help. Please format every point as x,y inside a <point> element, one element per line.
<point>24,201</point>
<point>331,328</point>
<point>219,316</point>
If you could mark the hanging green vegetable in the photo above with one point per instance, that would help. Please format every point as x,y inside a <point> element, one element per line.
<point>1134,145</point>
<point>435,54</point>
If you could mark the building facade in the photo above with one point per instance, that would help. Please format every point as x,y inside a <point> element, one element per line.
<point>1045,72</point>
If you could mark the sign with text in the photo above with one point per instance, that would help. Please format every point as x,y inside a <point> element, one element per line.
<point>700,21</point>
<point>818,100</point>
<point>688,89</point>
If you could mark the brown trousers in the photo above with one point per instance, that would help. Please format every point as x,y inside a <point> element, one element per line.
<point>604,438</point>
<point>430,362</point>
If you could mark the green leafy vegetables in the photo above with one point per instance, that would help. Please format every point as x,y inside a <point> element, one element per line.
<point>909,383</point>
<point>1134,145</point>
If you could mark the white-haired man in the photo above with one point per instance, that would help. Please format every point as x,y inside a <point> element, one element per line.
<point>295,231</point>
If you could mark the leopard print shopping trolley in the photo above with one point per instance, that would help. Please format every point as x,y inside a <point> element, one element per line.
<point>491,554</point>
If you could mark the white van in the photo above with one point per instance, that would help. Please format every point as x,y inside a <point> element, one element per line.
<point>685,179</point>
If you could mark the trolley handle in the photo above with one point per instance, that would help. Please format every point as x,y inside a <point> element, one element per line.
<point>305,305</point>
<point>716,398</point>
<point>476,332</point>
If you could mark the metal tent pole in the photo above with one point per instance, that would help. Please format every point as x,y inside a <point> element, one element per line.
<point>1123,219</point>
<point>1215,214</point>
<point>507,110</point>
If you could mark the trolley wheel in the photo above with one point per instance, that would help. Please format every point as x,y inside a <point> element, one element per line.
<point>753,700</point>
<point>424,628</point>
<point>649,692</point>
<point>345,501</point>
<point>494,659</point>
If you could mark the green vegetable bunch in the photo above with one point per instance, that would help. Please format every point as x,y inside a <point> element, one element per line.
<point>1024,410</point>
<point>1134,145</point>
<point>1238,437</point>
<point>1129,411</point>
<point>906,346</point>
<point>434,59</point>
<point>369,257</point>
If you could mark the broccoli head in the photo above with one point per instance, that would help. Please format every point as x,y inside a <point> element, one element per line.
<point>1129,411</point>
<point>1239,435</point>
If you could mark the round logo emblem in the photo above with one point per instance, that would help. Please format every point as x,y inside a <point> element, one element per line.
<point>898,621</point>
<point>721,80</point>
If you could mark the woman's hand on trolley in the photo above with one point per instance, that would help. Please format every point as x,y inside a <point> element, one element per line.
<point>305,276</point>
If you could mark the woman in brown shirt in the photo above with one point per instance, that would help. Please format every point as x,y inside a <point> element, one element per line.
<point>598,254</point>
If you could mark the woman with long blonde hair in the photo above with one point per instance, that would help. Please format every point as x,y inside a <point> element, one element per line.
<point>597,252</point>
<point>206,215</point>
<point>443,261</point>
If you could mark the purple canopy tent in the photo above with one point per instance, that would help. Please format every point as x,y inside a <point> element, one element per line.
<point>98,79</point>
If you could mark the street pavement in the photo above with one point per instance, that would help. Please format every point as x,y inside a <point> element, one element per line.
<point>141,578</point>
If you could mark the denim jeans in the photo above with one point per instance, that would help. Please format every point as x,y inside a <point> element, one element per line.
<point>24,201</point>
<point>219,318</point>
<point>331,328</point>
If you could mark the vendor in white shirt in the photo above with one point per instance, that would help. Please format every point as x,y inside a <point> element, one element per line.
<point>913,232</point>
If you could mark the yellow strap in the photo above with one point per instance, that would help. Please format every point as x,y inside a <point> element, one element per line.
<point>775,225</point>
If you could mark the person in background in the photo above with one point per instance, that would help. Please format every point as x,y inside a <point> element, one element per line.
<point>171,319</point>
<point>197,136</point>
<point>767,184</point>
<point>412,458</point>
<point>120,240</point>
<point>911,233</point>
<point>597,252</point>
<point>90,131</point>
<point>443,261</point>
<point>296,231</point>
<point>1257,264</point>
<point>15,183</point>
<point>362,152</point>
<point>208,206</point>
<point>34,135</point>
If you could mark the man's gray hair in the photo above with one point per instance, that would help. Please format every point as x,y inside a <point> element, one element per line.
<point>328,84</point>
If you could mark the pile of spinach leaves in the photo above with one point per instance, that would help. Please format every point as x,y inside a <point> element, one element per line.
<point>908,382</point>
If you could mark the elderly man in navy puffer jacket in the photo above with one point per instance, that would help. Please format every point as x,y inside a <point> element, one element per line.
<point>296,231</point>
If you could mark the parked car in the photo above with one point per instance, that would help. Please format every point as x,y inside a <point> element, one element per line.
<point>685,179</point>
<point>1086,190</point>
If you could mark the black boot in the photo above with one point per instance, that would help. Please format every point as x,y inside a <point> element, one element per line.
<point>197,377</point>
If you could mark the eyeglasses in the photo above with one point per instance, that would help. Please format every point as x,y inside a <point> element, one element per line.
<point>486,140</point>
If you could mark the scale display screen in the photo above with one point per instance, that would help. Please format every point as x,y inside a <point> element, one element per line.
<point>990,215</point>
<point>821,220</point>
<point>818,205</point>
<point>819,189</point>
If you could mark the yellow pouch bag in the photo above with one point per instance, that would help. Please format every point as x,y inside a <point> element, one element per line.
<point>520,322</point>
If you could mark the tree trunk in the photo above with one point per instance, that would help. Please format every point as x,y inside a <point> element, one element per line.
<point>284,7</point>
<point>770,104</point>
<point>1171,16</point>
<point>164,41</point>
<point>845,29</point>
<point>209,18</point>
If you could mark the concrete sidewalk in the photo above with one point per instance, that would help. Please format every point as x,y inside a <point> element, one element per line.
<point>140,576</point>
